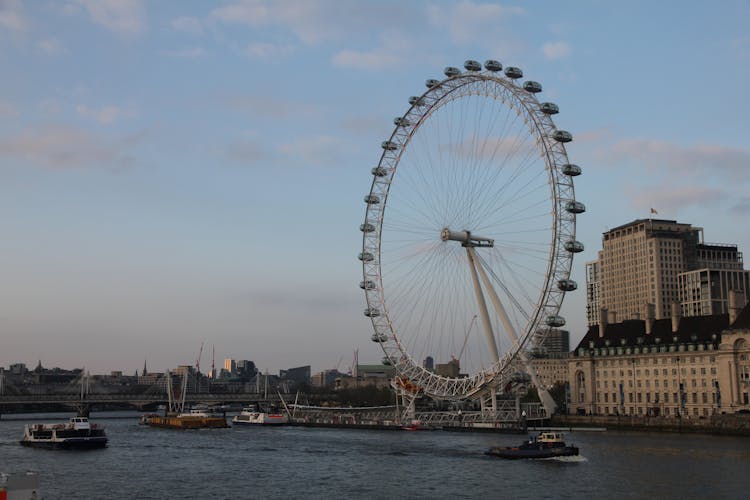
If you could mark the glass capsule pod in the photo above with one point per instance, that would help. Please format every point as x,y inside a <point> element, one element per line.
<point>366,257</point>
<point>513,72</point>
<point>472,65</point>
<point>372,312</point>
<point>386,361</point>
<point>400,121</point>
<point>431,83</point>
<point>451,71</point>
<point>389,145</point>
<point>492,65</point>
<point>549,108</point>
<point>573,246</point>
<point>379,337</point>
<point>562,136</point>
<point>575,207</point>
<point>367,285</point>
<point>571,169</point>
<point>372,199</point>
<point>555,321</point>
<point>379,171</point>
<point>367,228</point>
<point>416,101</point>
<point>533,87</point>
<point>567,285</point>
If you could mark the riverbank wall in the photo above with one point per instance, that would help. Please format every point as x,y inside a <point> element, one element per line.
<point>734,424</point>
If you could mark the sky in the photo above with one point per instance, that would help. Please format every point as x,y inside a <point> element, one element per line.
<point>179,173</point>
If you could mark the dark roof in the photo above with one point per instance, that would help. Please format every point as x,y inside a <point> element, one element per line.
<point>691,329</point>
<point>743,319</point>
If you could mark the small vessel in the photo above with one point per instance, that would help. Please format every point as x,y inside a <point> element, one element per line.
<point>546,445</point>
<point>418,425</point>
<point>78,432</point>
<point>16,486</point>
<point>257,416</point>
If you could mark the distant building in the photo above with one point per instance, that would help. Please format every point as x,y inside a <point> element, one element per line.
<point>230,366</point>
<point>299,375</point>
<point>429,363</point>
<point>325,378</point>
<point>451,369</point>
<point>593,303</point>
<point>556,342</point>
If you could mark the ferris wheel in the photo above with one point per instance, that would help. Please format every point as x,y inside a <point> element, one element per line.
<point>469,232</point>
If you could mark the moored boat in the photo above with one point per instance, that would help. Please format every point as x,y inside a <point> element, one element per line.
<point>257,416</point>
<point>78,432</point>
<point>546,445</point>
<point>196,418</point>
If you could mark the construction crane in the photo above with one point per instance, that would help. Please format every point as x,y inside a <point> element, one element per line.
<point>198,359</point>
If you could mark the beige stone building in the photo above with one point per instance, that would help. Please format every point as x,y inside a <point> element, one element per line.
<point>691,367</point>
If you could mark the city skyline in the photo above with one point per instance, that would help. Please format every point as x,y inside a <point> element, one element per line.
<point>183,173</point>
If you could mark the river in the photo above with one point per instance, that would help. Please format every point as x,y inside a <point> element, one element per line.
<point>298,462</point>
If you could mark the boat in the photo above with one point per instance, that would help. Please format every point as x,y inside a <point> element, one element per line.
<point>546,445</point>
<point>418,425</point>
<point>196,418</point>
<point>257,416</point>
<point>78,432</point>
<point>16,486</point>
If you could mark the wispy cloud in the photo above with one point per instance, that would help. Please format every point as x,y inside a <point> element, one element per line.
<point>468,21</point>
<point>675,198</point>
<point>264,50</point>
<point>104,115</point>
<point>267,106</point>
<point>12,16</point>
<point>61,147</point>
<point>556,50</point>
<point>245,151</point>
<point>695,160</point>
<point>372,60</point>
<point>191,25</point>
<point>190,53</point>
<point>52,47</point>
<point>319,151</point>
<point>122,17</point>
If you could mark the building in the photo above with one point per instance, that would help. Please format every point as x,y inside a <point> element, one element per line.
<point>299,375</point>
<point>679,366</point>
<point>647,265</point>
<point>230,366</point>
<point>326,378</point>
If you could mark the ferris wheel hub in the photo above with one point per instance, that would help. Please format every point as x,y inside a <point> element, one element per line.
<point>466,238</point>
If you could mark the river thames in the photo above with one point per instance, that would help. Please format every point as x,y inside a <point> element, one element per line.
<point>299,462</point>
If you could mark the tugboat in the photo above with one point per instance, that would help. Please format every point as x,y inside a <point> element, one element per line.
<point>546,445</point>
<point>78,432</point>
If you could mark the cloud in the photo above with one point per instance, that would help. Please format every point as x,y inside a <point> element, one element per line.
<point>245,151</point>
<point>11,16</point>
<point>122,17</point>
<point>269,107</point>
<point>676,198</point>
<point>373,60</point>
<point>321,150</point>
<point>696,160</point>
<point>468,22</point>
<point>60,147</point>
<point>261,50</point>
<point>192,53</point>
<point>8,110</point>
<point>556,50</point>
<point>52,47</point>
<point>189,25</point>
<point>104,115</point>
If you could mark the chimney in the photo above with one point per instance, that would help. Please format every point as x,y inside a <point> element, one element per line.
<point>736,304</point>
<point>675,317</point>
<point>602,321</point>
<point>650,313</point>
<point>612,317</point>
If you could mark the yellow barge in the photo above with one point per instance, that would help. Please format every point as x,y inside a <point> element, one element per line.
<point>196,419</point>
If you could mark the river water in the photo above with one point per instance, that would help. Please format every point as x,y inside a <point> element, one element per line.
<point>297,462</point>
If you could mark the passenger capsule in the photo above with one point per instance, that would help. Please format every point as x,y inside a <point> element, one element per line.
<point>379,171</point>
<point>571,169</point>
<point>520,377</point>
<point>368,285</point>
<point>416,101</point>
<point>379,337</point>
<point>533,87</point>
<point>562,136</point>
<point>492,65</point>
<point>555,321</point>
<point>400,121</point>
<point>573,246</point>
<point>472,65</point>
<point>367,228</point>
<point>372,312</point>
<point>567,285</point>
<point>386,361</point>
<point>575,207</point>
<point>389,145</point>
<point>372,199</point>
<point>451,71</point>
<point>431,83</point>
<point>538,352</point>
<point>513,72</point>
<point>366,257</point>
<point>549,108</point>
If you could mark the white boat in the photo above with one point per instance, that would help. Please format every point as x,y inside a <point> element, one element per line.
<point>78,432</point>
<point>19,486</point>
<point>256,416</point>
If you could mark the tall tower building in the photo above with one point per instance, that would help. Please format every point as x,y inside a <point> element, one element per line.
<point>655,261</point>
